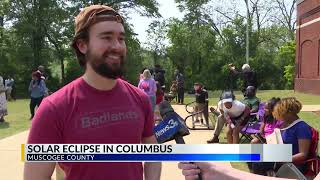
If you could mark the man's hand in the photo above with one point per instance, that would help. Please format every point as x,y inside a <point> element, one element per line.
<point>231,66</point>
<point>208,170</point>
<point>214,111</point>
<point>191,171</point>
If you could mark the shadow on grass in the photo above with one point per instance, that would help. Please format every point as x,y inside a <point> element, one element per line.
<point>4,125</point>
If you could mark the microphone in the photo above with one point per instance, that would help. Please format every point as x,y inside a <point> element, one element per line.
<point>171,126</point>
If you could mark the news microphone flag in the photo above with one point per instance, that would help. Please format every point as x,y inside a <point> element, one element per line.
<point>156,152</point>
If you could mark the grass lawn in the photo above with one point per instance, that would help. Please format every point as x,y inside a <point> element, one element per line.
<point>17,119</point>
<point>264,95</point>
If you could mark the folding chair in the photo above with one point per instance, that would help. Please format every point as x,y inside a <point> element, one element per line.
<point>313,161</point>
<point>253,126</point>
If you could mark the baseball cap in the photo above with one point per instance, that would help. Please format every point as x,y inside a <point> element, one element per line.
<point>227,96</point>
<point>94,14</point>
<point>227,100</point>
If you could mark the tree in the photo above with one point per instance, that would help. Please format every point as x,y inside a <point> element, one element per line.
<point>156,39</point>
<point>285,15</point>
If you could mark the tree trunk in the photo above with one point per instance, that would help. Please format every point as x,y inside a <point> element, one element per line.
<point>1,21</point>
<point>62,68</point>
<point>155,58</point>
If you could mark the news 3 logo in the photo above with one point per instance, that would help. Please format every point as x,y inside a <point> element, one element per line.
<point>166,128</point>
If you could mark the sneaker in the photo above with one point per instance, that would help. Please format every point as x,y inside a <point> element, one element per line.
<point>213,140</point>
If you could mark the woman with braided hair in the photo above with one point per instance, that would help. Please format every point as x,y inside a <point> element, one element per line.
<point>293,131</point>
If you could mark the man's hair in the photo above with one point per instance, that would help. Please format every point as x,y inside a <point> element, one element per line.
<point>85,19</point>
<point>246,67</point>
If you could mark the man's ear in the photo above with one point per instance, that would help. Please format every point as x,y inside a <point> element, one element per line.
<point>82,46</point>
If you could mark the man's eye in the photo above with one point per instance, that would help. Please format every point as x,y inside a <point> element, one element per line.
<point>106,37</point>
<point>122,38</point>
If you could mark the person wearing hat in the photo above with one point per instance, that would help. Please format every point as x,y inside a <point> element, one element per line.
<point>41,70</point>
<point>232,112</point>
<point>37,89</point>
<point>201,98</point>
<point>248,75</point>
<point>98,107</point>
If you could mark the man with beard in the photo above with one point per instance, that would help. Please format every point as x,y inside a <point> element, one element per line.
<point>97,108</point>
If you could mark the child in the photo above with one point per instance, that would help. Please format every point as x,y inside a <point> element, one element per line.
<point>201,97</point>
<point>269,123</point>
<point>173,91</point>
<point>174,88</point>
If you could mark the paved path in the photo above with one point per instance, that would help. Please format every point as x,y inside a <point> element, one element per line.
<point>11,166</point>
<point>311,108</point>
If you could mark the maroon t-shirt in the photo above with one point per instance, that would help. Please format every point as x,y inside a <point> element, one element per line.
<point>81,114</point>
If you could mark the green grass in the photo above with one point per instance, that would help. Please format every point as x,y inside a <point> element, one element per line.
<point>264,95</point>
<point>17,119</point>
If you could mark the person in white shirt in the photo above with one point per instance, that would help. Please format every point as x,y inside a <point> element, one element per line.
<point>9,86</point>
<point>234,113</point>
<point>3,100</point>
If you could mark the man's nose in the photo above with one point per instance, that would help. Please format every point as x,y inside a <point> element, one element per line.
<point>116,45</point>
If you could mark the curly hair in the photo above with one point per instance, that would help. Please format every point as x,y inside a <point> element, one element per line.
<point>289,105</point>
<point>270,105</point>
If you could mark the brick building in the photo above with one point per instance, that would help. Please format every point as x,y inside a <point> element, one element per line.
<point>307,77</point>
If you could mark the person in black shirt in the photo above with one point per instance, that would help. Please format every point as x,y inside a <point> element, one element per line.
<point>180,80</point>
<point>249,76</point>
<point>201,98</point>
<point>159,75</point>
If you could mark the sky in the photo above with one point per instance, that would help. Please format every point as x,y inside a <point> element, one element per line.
<point>167,8</point>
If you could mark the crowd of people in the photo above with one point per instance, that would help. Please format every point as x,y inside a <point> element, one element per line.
<point>279,113</point>
<point>37,90</point>
<point>66,116</point>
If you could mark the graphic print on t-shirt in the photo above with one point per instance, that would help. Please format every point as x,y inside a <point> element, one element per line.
<point>145,86</point>
<point>105,117</point>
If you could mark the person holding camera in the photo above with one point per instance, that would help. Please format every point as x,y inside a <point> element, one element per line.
<point>247,74</point>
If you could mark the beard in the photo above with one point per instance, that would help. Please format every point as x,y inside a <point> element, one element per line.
<point>101,67</point>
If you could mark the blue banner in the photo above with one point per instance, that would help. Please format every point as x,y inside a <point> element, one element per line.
<point>142,157</point>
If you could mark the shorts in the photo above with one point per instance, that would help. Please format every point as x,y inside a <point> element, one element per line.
<point>236,119</point>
